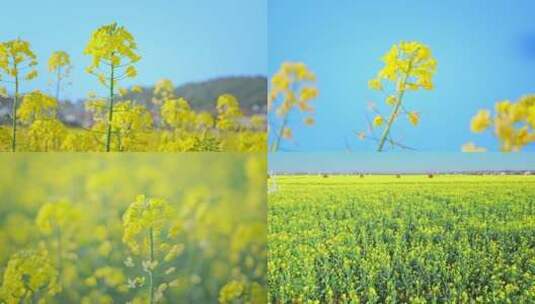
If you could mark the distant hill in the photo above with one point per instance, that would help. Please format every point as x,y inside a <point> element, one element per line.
<point>251,92</point>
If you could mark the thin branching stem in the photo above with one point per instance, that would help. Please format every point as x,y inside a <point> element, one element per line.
<point>14,114</point>
<point>277,142</point>
<point>151,278</point>
<point>394,114</point>
<point>110,110</point>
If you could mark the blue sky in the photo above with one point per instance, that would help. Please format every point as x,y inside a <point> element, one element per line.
<point>485,52</point>
<point>397,162</point>
<point>186,40</point>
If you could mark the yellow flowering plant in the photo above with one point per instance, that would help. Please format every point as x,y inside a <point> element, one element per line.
<point>408,66</point>
<point>177,114</point>
<point>113,47</point>
<point>293,87</point>
<point>59,64</point>
<point>228,113</point>
<point>147,227</point>
<point>130,122</point>
<point>513,124</point>
<point>39,112</point>
<point>29,277</point>
<point>58,221</point>
<point>189,130</point>
<point>37,106</point>
<point>163,90</point>
<point>17,61</point>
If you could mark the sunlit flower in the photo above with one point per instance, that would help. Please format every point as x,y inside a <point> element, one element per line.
<point>378,121</point>
<point>480,121</point>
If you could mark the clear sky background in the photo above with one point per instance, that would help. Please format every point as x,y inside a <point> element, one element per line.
<point>186,40</point>
<point>398,162</point>
<point>485,51</point>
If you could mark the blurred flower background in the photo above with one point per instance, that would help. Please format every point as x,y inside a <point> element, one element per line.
<point>140,228</point>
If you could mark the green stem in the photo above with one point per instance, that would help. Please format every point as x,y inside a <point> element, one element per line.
<point>389,123</point>
<point>276,144</point>
<point>60,258</point>
<point>14,114</point>
<point>151,279</point>
<point>58,83</point>
<point>395,112</point>
<point>110,109</point>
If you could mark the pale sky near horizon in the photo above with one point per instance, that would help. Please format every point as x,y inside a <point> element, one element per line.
<point>185,41</point>
<point>398,162</point>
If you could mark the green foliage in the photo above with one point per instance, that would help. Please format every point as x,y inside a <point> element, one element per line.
<point>380,239</point>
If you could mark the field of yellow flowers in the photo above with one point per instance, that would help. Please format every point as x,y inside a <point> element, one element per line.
<point>401,239</point>
<point>119,122</point>
<point>132,228</point>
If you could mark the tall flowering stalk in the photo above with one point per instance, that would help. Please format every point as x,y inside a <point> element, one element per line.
<point>58,220</point>
<point>113,47</point>
<point>409,66</point>
<point>228,113</point>
<point>59,64</point>
<point>145,222</point>
<point>292,87</point>
<point>16,60</point>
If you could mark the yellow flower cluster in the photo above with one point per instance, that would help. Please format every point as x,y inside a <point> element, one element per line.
<point>378,121</point>
<point>113,45</point>
<point>46,135</point>
<point>231,292</point>
<point>45,131</point>
<point>241,292</point>
<point>128,123</point>
<point>142,216</point>
<point>414,118</point>
<point>163,90</point>
<point>200,131</point>
<point>514,123</point>
<point>481,121</point>
<point>13,55</point>
<point>177,113</point>
<point>58,60</point>
<point>229,113</point>
<point>52,216</point>
<point>294,85</point>
<point>37,106</point>
<point>28,272</point>
<point>409,65</point>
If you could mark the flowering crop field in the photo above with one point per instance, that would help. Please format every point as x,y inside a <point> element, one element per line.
<point>121,119</point>
<point>406,239</point>
<point>132,228</point>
